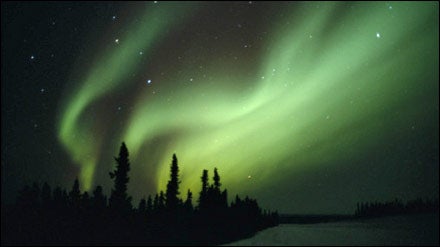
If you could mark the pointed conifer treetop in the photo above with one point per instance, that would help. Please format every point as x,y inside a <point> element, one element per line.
<point>119,198</point>
<point>173,185</point>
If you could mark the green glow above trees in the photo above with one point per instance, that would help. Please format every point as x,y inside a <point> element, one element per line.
<point>320,88</point>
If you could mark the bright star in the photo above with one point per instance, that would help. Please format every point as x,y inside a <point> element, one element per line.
<point>148,81</point>
<point>378,35</point>
<point>114,17</point>
<point>117,41</point>
<point>32,57</point>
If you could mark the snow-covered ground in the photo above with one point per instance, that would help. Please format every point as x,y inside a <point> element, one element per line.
<point>397,230</point>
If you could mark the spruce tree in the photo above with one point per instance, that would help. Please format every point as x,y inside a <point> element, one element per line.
<point>156,202</point>
<point>142,208</point>
<point>75,194</point>
<point>204,191</point>
<point>162,202</point>
<point>188,202</point>
<point>119,199</point>
<point>172,191</point>
<point>149,204</point>
<point>216,178</point>
<point>99,200</point>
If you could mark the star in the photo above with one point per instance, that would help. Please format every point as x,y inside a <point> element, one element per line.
<point>148,81</point>
<point>114,17</point>
<point>117,41</point>
<point>32,57</point>
<point>119,108</point>
<point>155,1</point>
<point>140,53</point>
<point>378,35</point>
<point>249,177</point>
<point>42,90</point>
<point>191,79</point>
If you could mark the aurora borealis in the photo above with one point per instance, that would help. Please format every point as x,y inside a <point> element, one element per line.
<point>307,106</point>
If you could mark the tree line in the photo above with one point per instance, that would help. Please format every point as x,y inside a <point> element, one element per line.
<point>396,207</point>
<point>45,216</point>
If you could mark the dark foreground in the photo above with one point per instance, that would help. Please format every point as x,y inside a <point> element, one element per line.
<point>104,228</point>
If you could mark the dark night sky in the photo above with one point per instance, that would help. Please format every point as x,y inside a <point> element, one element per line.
<point>308,107</point>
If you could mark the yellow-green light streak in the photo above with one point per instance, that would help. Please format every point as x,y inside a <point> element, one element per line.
<point>109,73</point>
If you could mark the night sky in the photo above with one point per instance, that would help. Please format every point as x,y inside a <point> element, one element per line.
<point>307,107</point>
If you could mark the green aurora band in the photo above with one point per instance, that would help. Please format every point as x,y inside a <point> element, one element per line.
<point>324,93</point>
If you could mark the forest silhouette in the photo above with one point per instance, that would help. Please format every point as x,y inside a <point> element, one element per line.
<point>43,216</point>
<point>396,207</point>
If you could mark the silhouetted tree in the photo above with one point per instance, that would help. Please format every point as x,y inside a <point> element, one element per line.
<point>149,204</point>
<point>142,208</point>
<point>46,195</point>
<point>156,202</point>
<point>188,201</point>
<point>204,191</point>
<point>75,194</point>
<point>173,186</point>
<point>119,199</point>
<point>216,179</point>
<point>58,198</point>
<point>99,200</point>
<point>85,201</point>
<point>161,204</point>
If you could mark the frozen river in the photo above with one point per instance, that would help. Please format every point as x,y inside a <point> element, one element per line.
<point>397,230</point>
